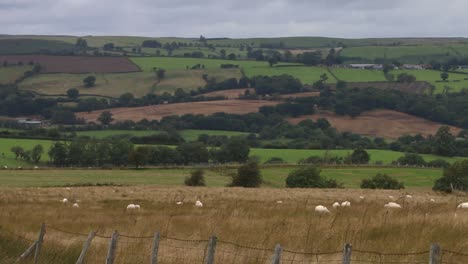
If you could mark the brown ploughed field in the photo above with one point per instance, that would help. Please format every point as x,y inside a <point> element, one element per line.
<point>380,123</point>
<point>156,112</point>
<point>74,64</point>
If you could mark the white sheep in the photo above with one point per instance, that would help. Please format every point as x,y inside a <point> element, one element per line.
<point>36,167</point>
<point>463,206</point>
<point>361,197</point>
<point>321,209</point>
<point>392,205</point>
<point>345,204</point>
<point>68,189</point>
<point>131,207</point>
<point>279,202</point>
<point>179,203</point>
<point>432,201</point>
<point>75,205</point>
<point>64,200</point>
<point>391,197</point>
<point>336,205</point>
<point>78,201</point>
<point>198,204</point>
<point>409,196</point>
<point>137,206</point>
<point>5,167</point>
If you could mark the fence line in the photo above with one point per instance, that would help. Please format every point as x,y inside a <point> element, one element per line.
<point>212,250</point>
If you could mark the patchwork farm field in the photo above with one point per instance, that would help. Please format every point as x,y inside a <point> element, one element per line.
<point>116,84</point>
<point>157,112</point>
<point>75,64</point>
<point>248,217</point>
<point>456,81</point>
<point>10,74</point>
<point>372,123</point>
<point>357,75</point>
<point>250,68</point>
<point>291,156</point>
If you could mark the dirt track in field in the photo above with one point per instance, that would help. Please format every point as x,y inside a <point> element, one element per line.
<point>380,123</point>
<point>74,64</point>
<point>156,112</point>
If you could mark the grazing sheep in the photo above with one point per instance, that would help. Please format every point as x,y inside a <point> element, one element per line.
<point>392,205</point>
<point>64,200</point>
<point>321,209</point>
<point>5,167</point>
<point>198,204</point>
<point>131,207</point>
<point>279,202</point>
<point>137,206</point>
<point>409,196</point>
<point>36,167</point>
<point>336,204</point>
<point>463,206</point>
<point>179,203</point>
<point>78,201</point>
<point>68,189</point>
<point>19,167</point>
<point>391,197</point>
<point>432,200</point>
<point>361,197</point>
<point>345,204</point>
<point>75,205</point>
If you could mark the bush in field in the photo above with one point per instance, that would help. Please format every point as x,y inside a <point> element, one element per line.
<point>248,175</point>
<point>455,177</point>
<point>309,177</point>
<point>382,181</point>
<point>438,163</point>
<point>411,159</point>
<point>197,178</point>
<point>89,81</point>
<point>275,160</point>
<point>360,156</point>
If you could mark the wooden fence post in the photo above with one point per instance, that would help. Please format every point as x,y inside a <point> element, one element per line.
<point>277,255</point>
<point>154,252</point>
<point>347,250</point>
<point>434,254</point>
<point>40,239</point>
<point>210,251</point>
<point>112,246</point>
<point>27,252</point>
<point>85,248</point>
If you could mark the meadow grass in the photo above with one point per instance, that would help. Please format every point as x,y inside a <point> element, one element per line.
<point>274,177</point>
<point>455,81</point>
<point>247,217</point>
<point>10,74</point>
<point>358,75</point>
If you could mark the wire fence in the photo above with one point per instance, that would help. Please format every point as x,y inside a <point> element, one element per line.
<point>62,246</point>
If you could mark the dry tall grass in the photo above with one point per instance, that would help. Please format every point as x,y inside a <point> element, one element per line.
<point>248,217</point>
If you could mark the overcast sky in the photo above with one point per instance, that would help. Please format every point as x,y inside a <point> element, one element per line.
<point>238,18</point>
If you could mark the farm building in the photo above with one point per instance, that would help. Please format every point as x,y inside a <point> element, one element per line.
<point>367,66</point>
<point>412,67</point>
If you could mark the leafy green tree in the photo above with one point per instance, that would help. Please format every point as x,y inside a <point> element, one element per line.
<point>58,154</point>
<point>160,74</point>
<point>119,151</point>
<point>382,181</point>
<point>272,61</point>
<point>455,177</point>
<point>413,159</point>
<point>309,177</point>
<point>65,117</point>
<point>81,43</point>
<point>36,153</point>
<point>223,53</point>
<point>105,118</point>
<point>444,76</point>
<point>235,150</point>
<point>139,156</point>
<point>89,81</point>
<point>108,46</point>
<point>126,99</point>
<point>231,56</point>
<point>193,152</point>
<point>17,150</point>
<point>248,175</point>
<point>73,93</point>
<point>405,78</point>
<point>445,144</point>
<point>360,156</point>
<point>36,68</point>
<point>197,178</point>
<point>311,58</point>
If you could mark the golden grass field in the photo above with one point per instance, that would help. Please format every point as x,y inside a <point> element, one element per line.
<point>247,217</point>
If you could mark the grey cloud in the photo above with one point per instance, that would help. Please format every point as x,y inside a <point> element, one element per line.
<point>241,18</point>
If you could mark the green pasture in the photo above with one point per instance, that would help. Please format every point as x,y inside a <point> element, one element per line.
<point>456,81</point>
<point>116,84</point>
<point>273,176</point>
<point>358,75</point>
<point>10,74</point>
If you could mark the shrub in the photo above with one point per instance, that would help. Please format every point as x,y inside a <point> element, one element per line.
<point>89,81</point>
<point>197,178</point>
<point>411,159</point>
<point>309,177</point>
<point>382,181</point>
<point>275,160</point>
<point>438,163</point>
<point>248,175</point>
<point>360,156</point>
<point>455,177</point>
